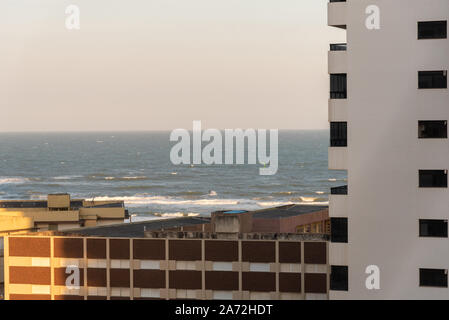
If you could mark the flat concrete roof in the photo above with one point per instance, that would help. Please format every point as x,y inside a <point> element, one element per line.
<point>29,204</point>
<point>135,229</point>
<point>287,211</point>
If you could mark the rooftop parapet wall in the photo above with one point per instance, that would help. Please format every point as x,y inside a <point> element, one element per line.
<point>236,236</point>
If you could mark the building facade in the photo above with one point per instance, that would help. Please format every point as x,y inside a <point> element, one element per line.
<point>58,212</point>
<point>289,267</point>
<point>388,113</point>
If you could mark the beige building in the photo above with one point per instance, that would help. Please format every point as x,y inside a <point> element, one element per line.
<point>58,212</point>
<point>146,260</point>
<point>388,112</point>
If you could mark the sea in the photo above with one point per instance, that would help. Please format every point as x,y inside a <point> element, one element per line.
<point>135,167</point>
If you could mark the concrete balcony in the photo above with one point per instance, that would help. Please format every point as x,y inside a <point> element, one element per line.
<point>336,14</point>
<point>338,158</point>
<point>338,110</point>
<point>338,205</point>
<point>338,254</point>
<point>337,61</point>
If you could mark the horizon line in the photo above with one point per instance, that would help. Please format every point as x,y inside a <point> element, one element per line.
<point>140,131</point>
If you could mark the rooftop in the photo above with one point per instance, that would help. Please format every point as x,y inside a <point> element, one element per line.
<point>10,204</point>
<point>287,211</point>
<point>135,229</point>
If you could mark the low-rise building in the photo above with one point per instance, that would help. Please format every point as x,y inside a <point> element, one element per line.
<point>58,212</point>
<point>187,258</point>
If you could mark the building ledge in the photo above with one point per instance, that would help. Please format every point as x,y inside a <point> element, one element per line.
<point>338,158</point>
<point>336,14</point>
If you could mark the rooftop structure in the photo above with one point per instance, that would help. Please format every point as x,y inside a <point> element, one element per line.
<point>58,212</point>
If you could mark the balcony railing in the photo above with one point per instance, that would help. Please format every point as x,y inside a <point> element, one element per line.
<point>338,86</point>
<point>338,47</point>
<point>338,134</point>
<point>343,190</point>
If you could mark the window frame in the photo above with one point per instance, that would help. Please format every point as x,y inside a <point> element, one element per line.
<point>433,74</point>
<point>421,24</point>
<point>336,81</point>
<point>434,185</point>
<point>444,235</point>
<point>340,237</point>
<point>430,285</point>
<point>443,124</point>
<point>338,134</point>
<point>343,284</point>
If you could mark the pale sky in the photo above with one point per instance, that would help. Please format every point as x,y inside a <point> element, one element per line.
<point>160,64</point>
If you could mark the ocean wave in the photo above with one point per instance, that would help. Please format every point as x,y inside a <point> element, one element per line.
<point>170,204</point>
<point>68,177</point>
<point>134,178</point>
<point>125,178</point>
<point>309,200</point>
<point>176,214</point>
<point>284,193</point>
<point>13,180</point>
<point>139,187</point>
<point>189,193</point>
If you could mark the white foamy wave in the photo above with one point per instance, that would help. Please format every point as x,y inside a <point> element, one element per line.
<point>12,180</point>
<point>176,214</point>
<point>38,197</point>
<point>67,177</point>
<point>308,199</point>
<point>212,193</point>
<point>134,178</point>
<point>177,204</point>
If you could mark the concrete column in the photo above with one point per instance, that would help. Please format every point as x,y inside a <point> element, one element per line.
<point>85,267</point>
<point>203,269</point>
<point>6,265</point>
<point>303,270</point>
<point>167,273</point>
<point>52,268</point>
<point>108,270</point>
<point>240,268</point>
<point>131,269</point>
<point>276,246</point>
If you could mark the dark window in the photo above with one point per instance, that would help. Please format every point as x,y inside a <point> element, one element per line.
<point>432,30</point>
<point>432,129</point>
<point>339,278</point>
<point>338,86</point>
<point>433,178</point>
<point>339,134</point>
<point>338,46</point>
<point>432,79</point>
<point>433,278</point>
<point>339,230</point>
<point>433,228</point>
<point>343,190</point>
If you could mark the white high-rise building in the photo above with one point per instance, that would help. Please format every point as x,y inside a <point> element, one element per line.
<point>388,110</point>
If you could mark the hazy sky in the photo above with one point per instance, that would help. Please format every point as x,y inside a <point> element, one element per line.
<point>160,64</point>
